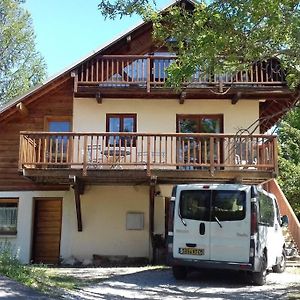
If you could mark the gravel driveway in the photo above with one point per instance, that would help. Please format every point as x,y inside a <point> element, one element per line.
<point>142,283</point>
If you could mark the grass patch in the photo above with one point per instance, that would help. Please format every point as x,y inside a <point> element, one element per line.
<point>39,277</point>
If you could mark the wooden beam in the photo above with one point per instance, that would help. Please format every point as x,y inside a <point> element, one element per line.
<point>78,187</point>
<point>236,97</point>
<point>22,109</point>
<point>99,98</point>
<point>182,97</point>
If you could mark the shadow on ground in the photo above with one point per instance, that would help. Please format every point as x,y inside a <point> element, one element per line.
<point>160,284</point>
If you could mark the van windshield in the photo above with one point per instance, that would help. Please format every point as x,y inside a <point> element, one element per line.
<point>204,205</point>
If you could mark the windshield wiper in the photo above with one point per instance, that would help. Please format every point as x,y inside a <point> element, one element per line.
<point>218,222</point>
<point>181,218</point>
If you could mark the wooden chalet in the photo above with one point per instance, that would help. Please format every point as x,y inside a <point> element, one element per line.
<point>108,133</point>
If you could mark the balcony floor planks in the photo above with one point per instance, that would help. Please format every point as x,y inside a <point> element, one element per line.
<point>140,177</point>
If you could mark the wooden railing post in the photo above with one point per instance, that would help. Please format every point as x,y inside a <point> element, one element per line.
<point>148,154</point>
<point>84,166</point>
<point>275,156</point>
<point>211,155</point>
<point>21,153</point>
<point>148,74</point>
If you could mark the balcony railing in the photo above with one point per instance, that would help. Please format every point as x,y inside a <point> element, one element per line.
<point>136,151</point>
<point>146,71</point>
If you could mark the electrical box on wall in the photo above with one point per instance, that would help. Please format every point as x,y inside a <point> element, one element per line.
<point>134,221</point>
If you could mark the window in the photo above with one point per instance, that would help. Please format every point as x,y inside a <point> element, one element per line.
<point>121,123</point>
<point>194,205</point>
<point>58,143</point>
<point>200,123</point>
<point>8,216</point>
<point>229,205</point>
<point>266,208</point>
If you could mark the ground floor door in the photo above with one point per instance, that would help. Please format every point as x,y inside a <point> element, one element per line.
<point>47,230</point>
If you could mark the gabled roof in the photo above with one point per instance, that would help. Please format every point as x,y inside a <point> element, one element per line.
<point>35,90</point>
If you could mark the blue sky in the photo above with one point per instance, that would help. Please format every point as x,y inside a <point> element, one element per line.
<point>67,30</point>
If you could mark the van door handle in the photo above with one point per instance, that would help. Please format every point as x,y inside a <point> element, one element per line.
<point>202,228</point>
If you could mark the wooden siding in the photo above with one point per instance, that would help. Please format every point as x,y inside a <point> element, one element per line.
<point>57,103</point>
<point>47,230</point>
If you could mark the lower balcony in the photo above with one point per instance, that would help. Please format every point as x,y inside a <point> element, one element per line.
<point>141,158</point>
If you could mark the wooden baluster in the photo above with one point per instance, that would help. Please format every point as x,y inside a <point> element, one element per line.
<point>205,151</point>
<point>122,76</point>
<point>97,70</point>
<point>172,150</point>
<point>160,149</point>
<point>86,72</point>
<point>92,71</point>
<point>166,150</point>
<point>154,150</point>
<point>131,145</point>
<point>199,152</point>
<point>107,69</point>
<point>104,141</point>
<point>39,150</point>
<point>148,74</point>
<point>142,146</point>
<point>102,70</point>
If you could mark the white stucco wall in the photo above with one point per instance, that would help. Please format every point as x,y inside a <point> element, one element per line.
<point>104,210</point>
<point>160,115</point>
<point>22,242</point>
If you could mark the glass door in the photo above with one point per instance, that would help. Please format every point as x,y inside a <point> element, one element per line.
<point>195,150</point>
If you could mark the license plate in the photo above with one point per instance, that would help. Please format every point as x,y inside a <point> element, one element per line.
<point>191,251</point>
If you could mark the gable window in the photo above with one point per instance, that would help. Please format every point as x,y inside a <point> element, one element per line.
<point>121,123</point>
<point>8,216</point>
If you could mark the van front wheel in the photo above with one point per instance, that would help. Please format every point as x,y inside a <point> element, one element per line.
<point>179,272</point>
<point>280,267</point>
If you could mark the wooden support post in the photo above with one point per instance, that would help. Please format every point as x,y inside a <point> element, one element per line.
<point>151,216</point>
<point>78,187</point>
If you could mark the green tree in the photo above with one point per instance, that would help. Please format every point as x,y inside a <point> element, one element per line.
<point>21,66</point>
<point>289,161</point>
<point>222,35</point>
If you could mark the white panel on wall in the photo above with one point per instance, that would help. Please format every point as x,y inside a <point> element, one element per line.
<point>135,221</point>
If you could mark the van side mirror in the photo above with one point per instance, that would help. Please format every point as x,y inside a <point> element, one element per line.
<point>284,221</point>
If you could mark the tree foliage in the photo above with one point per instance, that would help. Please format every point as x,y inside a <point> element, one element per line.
<point>222,35</point>
<point>21,66</point>
<point>289,162</point>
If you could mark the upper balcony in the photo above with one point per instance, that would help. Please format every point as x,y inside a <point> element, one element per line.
<point>139,158</point>
<point>146,74</point>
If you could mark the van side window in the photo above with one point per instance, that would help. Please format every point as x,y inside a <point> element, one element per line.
<point>229,205</point>
<point>266,208</point>
<point>194,205</point>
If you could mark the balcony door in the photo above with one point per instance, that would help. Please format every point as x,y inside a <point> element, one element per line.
<point>194,151</point>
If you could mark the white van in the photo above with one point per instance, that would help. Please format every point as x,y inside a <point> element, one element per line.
<point>225,226</point>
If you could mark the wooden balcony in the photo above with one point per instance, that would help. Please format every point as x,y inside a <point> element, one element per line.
<point>148,73</point>
<point>139,158</point>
